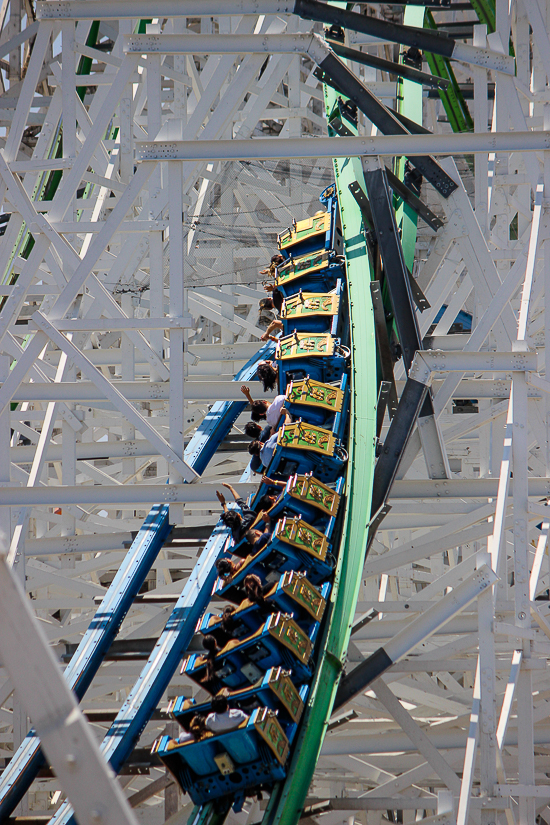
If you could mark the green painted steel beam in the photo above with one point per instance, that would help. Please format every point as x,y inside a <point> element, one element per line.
<point>485,10</point>
<point>47,184</point>
<point>452,98</point>
<point>410,105</point>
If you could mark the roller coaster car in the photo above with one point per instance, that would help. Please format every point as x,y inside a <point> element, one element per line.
<point>280,642</point>
<point>321,231</point>
<point>295,545</point>
<point>303,495</point>
<point>317,354</point>
<point>324,405</point>
<point>293,594</point>
<point>302,447</point>
<point>313,311</point>
<point>250,756</point>
<point>317,270</point>
<point>275,691</point>
<point>306,495</point>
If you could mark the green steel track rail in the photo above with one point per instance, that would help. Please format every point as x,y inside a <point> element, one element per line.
<point>46,186</point>
<point>452,98</point>
<point>410,105</point>
<point>287,800</point>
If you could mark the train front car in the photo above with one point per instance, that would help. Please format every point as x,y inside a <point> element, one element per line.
<point>264,645</point>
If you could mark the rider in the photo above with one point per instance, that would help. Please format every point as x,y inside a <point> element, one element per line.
<point>263,409</point>
<point>223,718</point>
<point>238,523</point>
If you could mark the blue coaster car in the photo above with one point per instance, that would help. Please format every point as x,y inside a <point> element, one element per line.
<point>275,691</point>
<point>219,765</point>
<point>322,231</point>
<point>318,355</point>
<point>279,643</point>
<point>317,271</point>
<point>293,594</point>
<point>303,448</point>
<point>325,405</point>
<point>265,655</point>
<point>313,311</point>
<point>295,545</point>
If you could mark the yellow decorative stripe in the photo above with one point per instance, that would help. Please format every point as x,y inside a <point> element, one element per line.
<point>303,436</point>
<point>296,268</point>
<point>315,394</point>
<point>297,586</point>
<point>272,733</point>
<point>314,492</point>
<point>283,688</point>
<point>289,634</point>
<point>305,304</point>
<point>300,230</point>
<point>302,535</point>
<point>302,344</point>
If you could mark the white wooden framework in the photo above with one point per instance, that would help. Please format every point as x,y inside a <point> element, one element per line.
<point>153,166</point>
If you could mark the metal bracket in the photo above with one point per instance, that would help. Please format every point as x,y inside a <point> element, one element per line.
<point>363,203</point>
<point>364,620</point>
<point>327,80</point>
<point>378,518</point>
<point>400,188</point>
<point>395,268</point>
<point>412,200</point>
<point>399,69</point>
<point>383,396</point>
<point>337,75</point>
<point>384,351</point>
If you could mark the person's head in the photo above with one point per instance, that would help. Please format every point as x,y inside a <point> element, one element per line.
<point>197,727</point>
<point>259,410</point>
<point>267,374</point>
<point>252,430</point>
<point>219,702</point>
<point>211,646</point>
<point>255,447</point>
<point>267,501</point>
<point>227,618</point>
<point>277,259</point>
<point>225,571</point>
<point>266,303</point>
<point>252,536</point>
<point>253,588</point>
<point>231,519</point>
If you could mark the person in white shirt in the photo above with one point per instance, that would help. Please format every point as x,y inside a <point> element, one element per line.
<point>262,409</point>
<point>274,411</point>
<point>223,718</point>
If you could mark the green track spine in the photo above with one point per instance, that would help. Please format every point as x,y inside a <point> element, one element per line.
<point>287,802</point>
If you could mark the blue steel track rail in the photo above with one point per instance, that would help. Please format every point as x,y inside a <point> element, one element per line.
<point>157,672</point>
<point>163,661</point>
<point>28,759</point>
<point>221,417</point>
